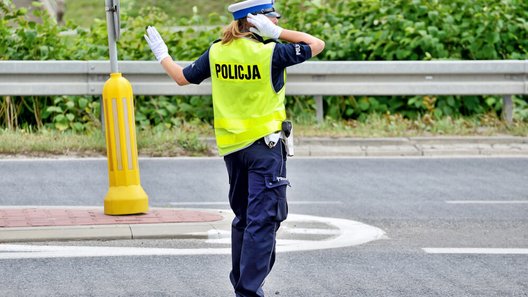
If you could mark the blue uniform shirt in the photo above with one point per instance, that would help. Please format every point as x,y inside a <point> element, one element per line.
<point>284,55</point>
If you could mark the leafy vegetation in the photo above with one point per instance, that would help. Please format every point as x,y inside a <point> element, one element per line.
<point>195,138</point>
<point>369,30</point>
<point>83,12</point>
<point>353,30</point>
<point>414,29</point>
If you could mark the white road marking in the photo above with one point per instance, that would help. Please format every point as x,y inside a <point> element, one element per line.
<point>489,251</point>
<point>313,202</point>
<point>312,231</point>
<point>343,233</point>
<point>487,201</point>
<point>351,233</point>
<point>10,251</point>
<point>199,203</point>
<point>227,203</point>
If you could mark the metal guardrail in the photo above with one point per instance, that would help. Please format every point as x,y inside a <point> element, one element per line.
<point>500,77</point>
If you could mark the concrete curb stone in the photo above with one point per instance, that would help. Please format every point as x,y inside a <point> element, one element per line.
<point>408,146</point>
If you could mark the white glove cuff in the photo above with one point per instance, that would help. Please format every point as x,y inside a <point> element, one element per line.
<point>278,32</point>
<point>163,56</point>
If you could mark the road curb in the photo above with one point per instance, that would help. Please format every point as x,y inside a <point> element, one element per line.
<point>426,146</point>
<point>110,232</point>
<point>447,140</point>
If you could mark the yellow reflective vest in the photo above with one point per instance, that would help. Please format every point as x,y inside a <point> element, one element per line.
<point>246,106</point>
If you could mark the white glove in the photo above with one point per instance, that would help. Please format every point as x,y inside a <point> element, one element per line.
<point>263,26</point>
<point>156,44</point>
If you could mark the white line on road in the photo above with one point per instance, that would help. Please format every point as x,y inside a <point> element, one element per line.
<point>488,251</point>
<point>487,201</point>
<point>200,203</point>
<point>227,203</point>
<point>314,202</point>
<point>312,231</point>
<point>350,233</point>
<point>34,251</point>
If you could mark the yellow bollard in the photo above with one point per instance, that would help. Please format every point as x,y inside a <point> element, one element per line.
<point>125,196</point>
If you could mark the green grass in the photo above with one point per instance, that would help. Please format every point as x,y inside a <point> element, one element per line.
<point>83,12</point>
<point>52,143</point>
<point>46,143</point>
<point>396,126</point>
<point>187,139</point>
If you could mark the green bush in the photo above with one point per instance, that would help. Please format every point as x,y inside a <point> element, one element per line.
<point>413,30</point>
<point>353,30</point>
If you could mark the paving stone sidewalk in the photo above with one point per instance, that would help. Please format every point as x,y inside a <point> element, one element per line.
<point>39,217</point>
<point>45,223</point>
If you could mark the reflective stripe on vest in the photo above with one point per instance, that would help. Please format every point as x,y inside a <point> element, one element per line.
<point>253,134</point>
<point>246,106</point>
<point>247,124</point>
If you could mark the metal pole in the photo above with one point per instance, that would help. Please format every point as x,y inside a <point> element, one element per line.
<point>507,109</point>
<point>112,46</point>
<point>110,9</point>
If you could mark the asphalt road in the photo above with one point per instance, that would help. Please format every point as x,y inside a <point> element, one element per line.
<point>420,203</point>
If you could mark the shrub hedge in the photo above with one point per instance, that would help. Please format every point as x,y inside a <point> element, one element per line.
<point>353,30</point>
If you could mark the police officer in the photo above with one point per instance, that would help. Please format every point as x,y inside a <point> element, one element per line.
<point>247,68</point>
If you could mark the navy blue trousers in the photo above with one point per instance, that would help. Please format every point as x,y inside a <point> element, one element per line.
<point>257,195</point>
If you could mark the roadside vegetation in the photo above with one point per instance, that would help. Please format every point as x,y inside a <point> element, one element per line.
<point>353,30</point>
<point>197,139</point>
<point>83,12</point>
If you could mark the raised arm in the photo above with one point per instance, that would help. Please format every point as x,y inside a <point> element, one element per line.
<point>160,50</point>
<point>316,44</point>
<point>265,27</point>
<point>174,70</point>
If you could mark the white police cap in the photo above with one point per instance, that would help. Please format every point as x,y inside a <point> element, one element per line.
<point>241,9</point>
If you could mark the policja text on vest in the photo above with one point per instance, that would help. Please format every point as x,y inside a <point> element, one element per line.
<point>237,71</point>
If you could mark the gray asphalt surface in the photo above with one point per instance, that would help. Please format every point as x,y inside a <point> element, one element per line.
<point>406,197</point>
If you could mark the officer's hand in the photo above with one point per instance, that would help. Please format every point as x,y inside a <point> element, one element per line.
<point>156,44</point>
<point>263,26</point>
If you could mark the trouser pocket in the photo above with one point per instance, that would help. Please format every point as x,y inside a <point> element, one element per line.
<point>276,192</point>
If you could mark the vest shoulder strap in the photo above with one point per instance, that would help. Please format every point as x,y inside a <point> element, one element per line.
<point>271,41</point>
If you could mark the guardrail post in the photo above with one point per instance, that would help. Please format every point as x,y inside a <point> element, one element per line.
<point>507,109</point>
<point>103,128</point>
<point>319,112</point>
<point>526,77</point>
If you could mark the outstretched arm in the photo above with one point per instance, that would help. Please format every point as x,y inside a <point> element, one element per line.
<point>160,50</point>
<point>174,70</point>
